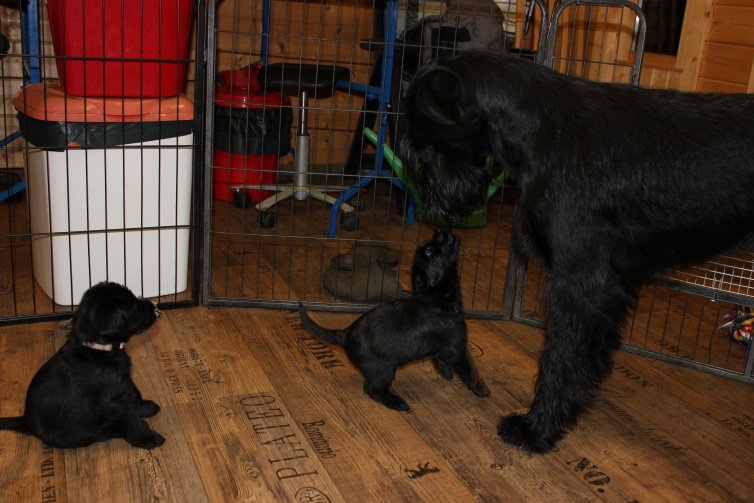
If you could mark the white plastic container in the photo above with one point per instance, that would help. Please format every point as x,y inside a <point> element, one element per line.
<point>119,213</point>
<point>115,214</point>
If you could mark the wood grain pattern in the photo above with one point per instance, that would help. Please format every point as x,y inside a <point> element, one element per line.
<point>255,409</point>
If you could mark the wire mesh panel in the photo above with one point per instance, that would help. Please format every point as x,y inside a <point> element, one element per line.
<point>598,40</point>
<point>306,204</point>
<point>698,317</point>
<point>97,179</point>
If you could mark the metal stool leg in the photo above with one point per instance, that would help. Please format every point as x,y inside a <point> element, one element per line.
<point>301,189</point>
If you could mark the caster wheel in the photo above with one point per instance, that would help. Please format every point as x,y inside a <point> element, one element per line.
<point>267,219</point>
<point>241,199</point>
<point>349,221</point>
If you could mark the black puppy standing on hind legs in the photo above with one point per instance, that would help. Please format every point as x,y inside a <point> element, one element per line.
<point>84,393</point>
<point>429,323</point>
<point>614,182</point>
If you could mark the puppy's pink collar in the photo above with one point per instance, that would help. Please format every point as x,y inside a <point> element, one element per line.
<point>102,347</point>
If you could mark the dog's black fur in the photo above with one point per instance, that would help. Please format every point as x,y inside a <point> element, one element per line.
<point>429,323</point>
<point>83,394</point>
<point>615,182</point>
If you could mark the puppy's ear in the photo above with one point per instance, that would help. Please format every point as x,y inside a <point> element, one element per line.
<point>98,320</point>
<point>110,319</point>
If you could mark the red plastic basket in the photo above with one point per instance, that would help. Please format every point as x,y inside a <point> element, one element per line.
<point>121,48</point>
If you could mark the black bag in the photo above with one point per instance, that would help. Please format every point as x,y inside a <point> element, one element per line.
<point>253,131</point>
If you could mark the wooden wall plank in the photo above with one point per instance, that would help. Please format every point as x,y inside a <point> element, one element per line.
<point>717,86</point>
<point>731,34</point>
<point>733,15</point>
<point>727,63</point>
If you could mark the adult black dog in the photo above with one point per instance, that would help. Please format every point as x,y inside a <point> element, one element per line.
<point>615,182</point>
<point>84,393</point>
<point>429,323</point>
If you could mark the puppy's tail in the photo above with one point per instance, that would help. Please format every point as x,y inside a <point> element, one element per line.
<point>15,424</point>
<point>331,336</point>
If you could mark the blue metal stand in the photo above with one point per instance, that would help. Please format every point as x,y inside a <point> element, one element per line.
<point>380,93</point>
<point>32,72</point>
<point>30,42</point>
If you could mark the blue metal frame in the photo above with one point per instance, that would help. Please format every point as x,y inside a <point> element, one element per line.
<point>381,93</point>
<point>30,41</point>
<point>32,71</point>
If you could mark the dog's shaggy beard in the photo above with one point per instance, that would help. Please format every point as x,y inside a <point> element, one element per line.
<point>444,153</point>
<point>450,188</point>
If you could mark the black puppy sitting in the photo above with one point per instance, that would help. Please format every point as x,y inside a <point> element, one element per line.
<point>429,323</point>
<point>84,393</point>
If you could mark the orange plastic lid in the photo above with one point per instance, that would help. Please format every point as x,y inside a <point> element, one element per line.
<point>47,102</point>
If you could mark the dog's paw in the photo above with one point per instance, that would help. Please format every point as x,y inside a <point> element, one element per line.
<point>517,430</point>
<point>443,368</point>
<point>147,408</point>
<point>148,440</point>
<point>479,388</point>
<point>397,403</point>
<point>390,400</point>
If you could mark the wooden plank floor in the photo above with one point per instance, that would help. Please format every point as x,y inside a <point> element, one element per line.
<point>255,409</point>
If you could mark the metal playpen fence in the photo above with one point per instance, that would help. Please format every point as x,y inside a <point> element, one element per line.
<point>236,165</point>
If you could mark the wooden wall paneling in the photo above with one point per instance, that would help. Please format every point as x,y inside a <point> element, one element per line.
<point>591,40</point>
<point>528,40</point>
<point>328,34</point>
<point>727,63</point>
<point>610,44</point>
<point>659,78</point>
<point>696,26</point>
<point>570,41</point>
<point>600,42</point>
<point>733,13</point>
<point>682,71</point>
<point>731,33</point>
<point>732,25</point>
<point>716,86</point>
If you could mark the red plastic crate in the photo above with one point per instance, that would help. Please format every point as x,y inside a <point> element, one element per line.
<point>121,48</point>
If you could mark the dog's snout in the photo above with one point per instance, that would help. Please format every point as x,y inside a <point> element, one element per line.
<point>445,237</point>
